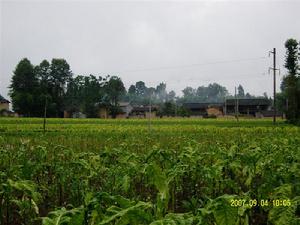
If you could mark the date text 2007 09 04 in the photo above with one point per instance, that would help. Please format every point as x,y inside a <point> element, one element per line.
<point>260,203</point>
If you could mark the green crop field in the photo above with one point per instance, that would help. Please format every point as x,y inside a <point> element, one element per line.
<point>172,171</point>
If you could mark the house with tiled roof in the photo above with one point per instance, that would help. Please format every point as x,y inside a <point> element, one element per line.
<point>4,104</point>
<point>245,106</point>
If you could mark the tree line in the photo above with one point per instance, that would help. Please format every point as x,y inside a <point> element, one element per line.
<point>54,86</point>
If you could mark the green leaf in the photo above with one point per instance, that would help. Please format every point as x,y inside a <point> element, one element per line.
<point>61,216</point>
<point>223,212</point>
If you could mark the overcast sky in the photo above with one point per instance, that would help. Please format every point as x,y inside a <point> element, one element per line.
<point>180,43</point>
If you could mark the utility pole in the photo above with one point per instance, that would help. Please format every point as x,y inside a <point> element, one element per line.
<point>149,120</point>
<point>225,109</point>
<point>45,114</point>
<point>274,83</point>
<point>236,105</point>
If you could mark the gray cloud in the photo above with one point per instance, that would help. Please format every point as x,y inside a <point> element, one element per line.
<point>118,37</point>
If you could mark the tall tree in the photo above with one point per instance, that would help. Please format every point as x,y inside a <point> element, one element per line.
<point>291,80</point>
<point>150,93</point>
<point>248,95</point>
<point>140,88</point>
<point>84,93</point>
<point>188,93</point>
<point>42,72</point>
<point>216,92</point>
<point>131,94</point>
<point>74,95</point>
<point>171,96</point>
<point>168,109</point>
<point>60,75</point>
<point>212,93</point>
<point>132,90</point>
<point>24,89</point>
<point>138,93</point>
<point>241,92</point>
<point>291,59</point>
<point>161,92</point>
<point>115,89</point>
<point>202,93</point>
<point>92,93</point>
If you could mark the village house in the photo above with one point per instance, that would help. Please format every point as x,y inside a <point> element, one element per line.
<point>249,106</point>
<point>4,108</point>
<point>143,111</point>
<point>258,107</point>
<point>126,109</point>
<point>204,109</point>
<point>4,104</point>
<point>103,112</point>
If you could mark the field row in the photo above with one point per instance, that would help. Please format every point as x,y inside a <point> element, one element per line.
<point>174,173</point>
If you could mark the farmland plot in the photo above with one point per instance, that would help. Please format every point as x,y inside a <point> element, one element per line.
<point>179,171</point>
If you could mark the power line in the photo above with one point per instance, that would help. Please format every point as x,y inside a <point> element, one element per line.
<point>207,78</point>
<point>191,65</point>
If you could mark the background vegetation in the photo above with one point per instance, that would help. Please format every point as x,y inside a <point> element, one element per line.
<point>53,84</point>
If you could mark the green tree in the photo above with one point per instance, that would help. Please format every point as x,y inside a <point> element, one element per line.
<point>216,92</point>
<point>74,98</point>
<point>171,96</point>
<point>248,95</point>
<point>182,111</point>
<point>93,91</point>
<point>132,90</point>
<point>161,92</point>
<point>84,93</point>
<point>281,102</point>
<point>202,93</point>
<point>169,109</point>
<point>140,88</point>
<point>212,93</point>
<point>241,92</point>
<point>42,72</point>
<point>188,94</point>
<point>24,89</point>
<point>115,90</point>
<point>140,94</point>
<point>60,75</point>
<point>291,80</point>
<point>131,95</point>
<point>150,92</point>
